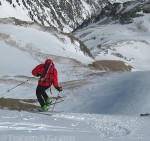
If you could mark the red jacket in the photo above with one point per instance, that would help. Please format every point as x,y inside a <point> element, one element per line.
<point>49,73</point>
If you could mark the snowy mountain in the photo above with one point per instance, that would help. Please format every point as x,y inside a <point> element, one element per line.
<point>64,15</point>
<point>120,12</point>
<point>120,32</point>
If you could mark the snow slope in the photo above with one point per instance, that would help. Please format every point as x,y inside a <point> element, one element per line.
<point>119,99</point>
<point>35,127</point>
<point>117,94</point>
<point>18,12</point>
<point>129,43</point>
<point>32,45</point>
<point>119,1</point>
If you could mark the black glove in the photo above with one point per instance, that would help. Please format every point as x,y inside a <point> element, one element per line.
<point>38,74</point>
<point>59,89</point>
<point>43,79</point>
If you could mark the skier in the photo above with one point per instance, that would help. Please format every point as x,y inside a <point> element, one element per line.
<point>48,76</point>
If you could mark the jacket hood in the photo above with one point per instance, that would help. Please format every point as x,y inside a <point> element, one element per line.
<point>48,62</point>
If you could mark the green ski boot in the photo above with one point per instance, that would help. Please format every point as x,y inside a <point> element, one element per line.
<point>43,109</point>
<point>48,101</point>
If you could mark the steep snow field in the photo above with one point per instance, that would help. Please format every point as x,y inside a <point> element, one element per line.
<point>32,46</point>
<point>107,108</point>
<point>117,94</point>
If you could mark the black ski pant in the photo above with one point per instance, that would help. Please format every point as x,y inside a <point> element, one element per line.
<point>41,94</point>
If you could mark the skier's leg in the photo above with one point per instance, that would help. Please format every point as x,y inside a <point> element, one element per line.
<point>48,101</point>
<point>44,94</point>
<point>39,92</point>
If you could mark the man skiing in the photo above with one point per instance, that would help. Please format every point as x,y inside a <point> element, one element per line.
<point>48,76</point>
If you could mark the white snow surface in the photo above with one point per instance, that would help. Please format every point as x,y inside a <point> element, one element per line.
<point>25,44</point>
<point>107,108</point>
<point>9,11</point>
<point>119,1</point>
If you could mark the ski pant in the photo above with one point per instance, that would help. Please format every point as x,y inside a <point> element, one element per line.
<point>41,94</point>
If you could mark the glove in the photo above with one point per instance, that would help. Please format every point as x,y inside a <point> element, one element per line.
<point>43,79</point>
<point>38,74</point>
<point>59,89</point>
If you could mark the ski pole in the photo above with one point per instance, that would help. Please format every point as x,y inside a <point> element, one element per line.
<point>16,86</point>
<point>55,102</point>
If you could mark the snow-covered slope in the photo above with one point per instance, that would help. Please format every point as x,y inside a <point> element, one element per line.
<point>119,1</point>
<point>72,127</point>
<point>129,43</point>
<point>34,41</point>
<point>17,11</point>
<point>119,99</point>
<point>120,32</point>
<point>117,94</point>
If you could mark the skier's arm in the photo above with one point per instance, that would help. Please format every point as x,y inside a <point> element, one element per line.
<point>36,70</point>
<point>55,82</point>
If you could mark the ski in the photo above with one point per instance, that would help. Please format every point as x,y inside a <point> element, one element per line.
<point>146,114</point>
<point>46,113</point>
<point>58,101</point>
<point>36,110</point>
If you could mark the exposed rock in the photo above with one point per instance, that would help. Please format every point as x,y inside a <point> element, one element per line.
<point>111,65</point>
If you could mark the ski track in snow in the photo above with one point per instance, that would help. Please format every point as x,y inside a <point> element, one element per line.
<point>77,125</point>
<point>36,125</point>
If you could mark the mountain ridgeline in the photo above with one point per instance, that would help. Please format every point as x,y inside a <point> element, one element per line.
<point>73,14</point>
